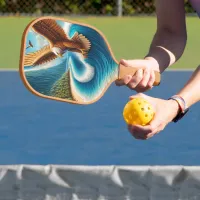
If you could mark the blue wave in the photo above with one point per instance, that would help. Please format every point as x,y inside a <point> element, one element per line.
<point>100,58</point>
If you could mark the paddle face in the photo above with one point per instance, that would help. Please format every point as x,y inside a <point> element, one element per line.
<point>66,61</point>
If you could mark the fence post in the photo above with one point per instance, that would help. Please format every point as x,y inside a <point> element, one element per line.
<point>119,8</point>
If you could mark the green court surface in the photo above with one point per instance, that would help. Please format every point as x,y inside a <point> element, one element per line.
<point>129,38</point>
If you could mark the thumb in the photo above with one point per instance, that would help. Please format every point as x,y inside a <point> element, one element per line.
<point>132,63</point>
<point>126,63</point>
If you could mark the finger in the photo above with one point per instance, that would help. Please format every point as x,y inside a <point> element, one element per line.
<point>156,131</point>
<point>136,79</point>
<point>123,81</point>
<point>151,79</point>
<point>132,63</point>
<point>138,137</point>
<point>127,79</point>
<point>143,131</point>
<point>135,134</point>
<point>147,135</point>
<point>156,127</point>
<point>150,135</point>
<point>145,87</point>
<point>146,83</point>
<point>126,63</point>
<point>156,122</point>
<point>129,128</point>
<point>146,76</point>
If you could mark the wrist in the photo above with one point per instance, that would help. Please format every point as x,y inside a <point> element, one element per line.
<point>163,56</point>
<point>182,107</point>
<point>153,63</point>
<point>174,107</point>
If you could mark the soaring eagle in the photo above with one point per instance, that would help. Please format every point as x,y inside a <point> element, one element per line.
<point>59,43</point>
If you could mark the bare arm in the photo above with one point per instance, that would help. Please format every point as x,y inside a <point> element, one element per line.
<point>191,90</point>
<point>166,48</point>
<point>170,38</point>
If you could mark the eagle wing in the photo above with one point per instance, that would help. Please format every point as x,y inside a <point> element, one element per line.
<point>79,41</point>
<point>39,57</point>
<point>50,30</point>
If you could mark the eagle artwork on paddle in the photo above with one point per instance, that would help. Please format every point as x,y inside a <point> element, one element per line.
<point>59,43</point>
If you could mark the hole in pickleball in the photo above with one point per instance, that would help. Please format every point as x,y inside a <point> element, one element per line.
<point>142,109</point>
<point>146,115</point>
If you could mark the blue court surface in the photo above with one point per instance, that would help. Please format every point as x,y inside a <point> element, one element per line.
<point>34,130</point>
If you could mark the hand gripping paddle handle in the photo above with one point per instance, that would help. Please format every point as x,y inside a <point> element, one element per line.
<point>124,71</point>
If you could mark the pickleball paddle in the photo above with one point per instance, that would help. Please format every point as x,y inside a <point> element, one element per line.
<point>68,61</point>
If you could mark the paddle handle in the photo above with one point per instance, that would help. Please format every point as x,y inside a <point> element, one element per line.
<point>123,71</point>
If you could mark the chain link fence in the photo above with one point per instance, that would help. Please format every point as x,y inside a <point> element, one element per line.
<point>80,7</point>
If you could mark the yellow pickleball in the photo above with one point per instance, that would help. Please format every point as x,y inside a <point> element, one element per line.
<point>138,111</point>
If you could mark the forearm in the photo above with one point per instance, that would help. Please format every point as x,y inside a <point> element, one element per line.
<point>191,91</point>
<point>166,48</point>
<point>170,38</point>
